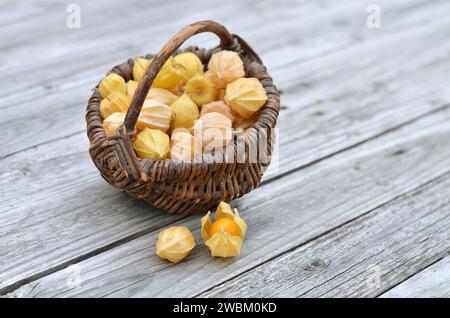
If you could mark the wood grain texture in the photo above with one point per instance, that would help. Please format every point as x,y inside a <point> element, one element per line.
<point>363,258</point>
<point>343,85</point>
<point>71,199</point>
<point>301,207</point>
<point>68,73</point>
<point>434,281</point>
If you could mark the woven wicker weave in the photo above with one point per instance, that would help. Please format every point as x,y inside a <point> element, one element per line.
<point>176,186</point>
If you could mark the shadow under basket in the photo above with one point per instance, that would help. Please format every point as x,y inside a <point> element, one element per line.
<point>177,186</point>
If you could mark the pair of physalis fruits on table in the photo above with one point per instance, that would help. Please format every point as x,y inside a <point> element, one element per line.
<point>187,111</point>
<point>223,237</point>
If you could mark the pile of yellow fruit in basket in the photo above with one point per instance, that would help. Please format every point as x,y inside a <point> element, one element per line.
<point>188,111</point>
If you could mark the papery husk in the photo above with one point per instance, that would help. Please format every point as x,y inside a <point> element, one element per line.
<point>105,108</point>
<point>155,115</point>
<point>140,66</point>
<point>152,143</point>
<point>225,67</point>
<point>186,112</point>
<point>214,130</point>
<point>218,107</point>
<point>175,243</point>
<point>112,83</point>
<point>131,88</point>
<point>240,222</point>
<point>112,122</point>
<point>221,243</point>
<point>224,211</point>
<point>206,226</point>
<point>168,76</point>
<point>190,64</point>
<point>114,103</point>
<point>244,123</point>
<point>161,95</point>
<point>183,146</point>
<point>245,96</point>
<point>220,94</point>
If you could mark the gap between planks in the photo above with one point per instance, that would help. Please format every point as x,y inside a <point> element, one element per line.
<point>57,112</point>
<point>432,281</point>
<point>247,282</point>
<point>12,287</point>
<point>425,123</point>
<point>416,96</point>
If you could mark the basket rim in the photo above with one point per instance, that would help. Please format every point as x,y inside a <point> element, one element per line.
<point>184,186</point>
<point>248,132</point>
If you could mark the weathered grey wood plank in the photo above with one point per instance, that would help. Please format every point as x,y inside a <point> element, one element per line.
<point>104,23</point>
<point>363,258</point>
<point>432,282</point>
<point>65,80</point>
<point>281,215</point>
<point>53,184</point>
<point>13,13</point>
<point>60,59</point>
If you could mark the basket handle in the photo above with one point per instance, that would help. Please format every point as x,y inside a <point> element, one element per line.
<point>163,55</point>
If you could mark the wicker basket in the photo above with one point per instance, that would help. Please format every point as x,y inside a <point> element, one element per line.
<point>176,186</point>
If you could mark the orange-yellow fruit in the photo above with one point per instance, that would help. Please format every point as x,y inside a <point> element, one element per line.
<point>225,225</point>
<point>201,89</point>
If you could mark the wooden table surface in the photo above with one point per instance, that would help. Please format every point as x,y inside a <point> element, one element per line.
<point>357,204</point>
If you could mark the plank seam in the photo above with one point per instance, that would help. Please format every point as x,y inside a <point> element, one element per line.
<point>412,275</point>
<point>42,144</point>
<point>119,242</point>
<point>358,274</point>
<point>376,136</point>
<point>329,232</point>
<point>10,288</point>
